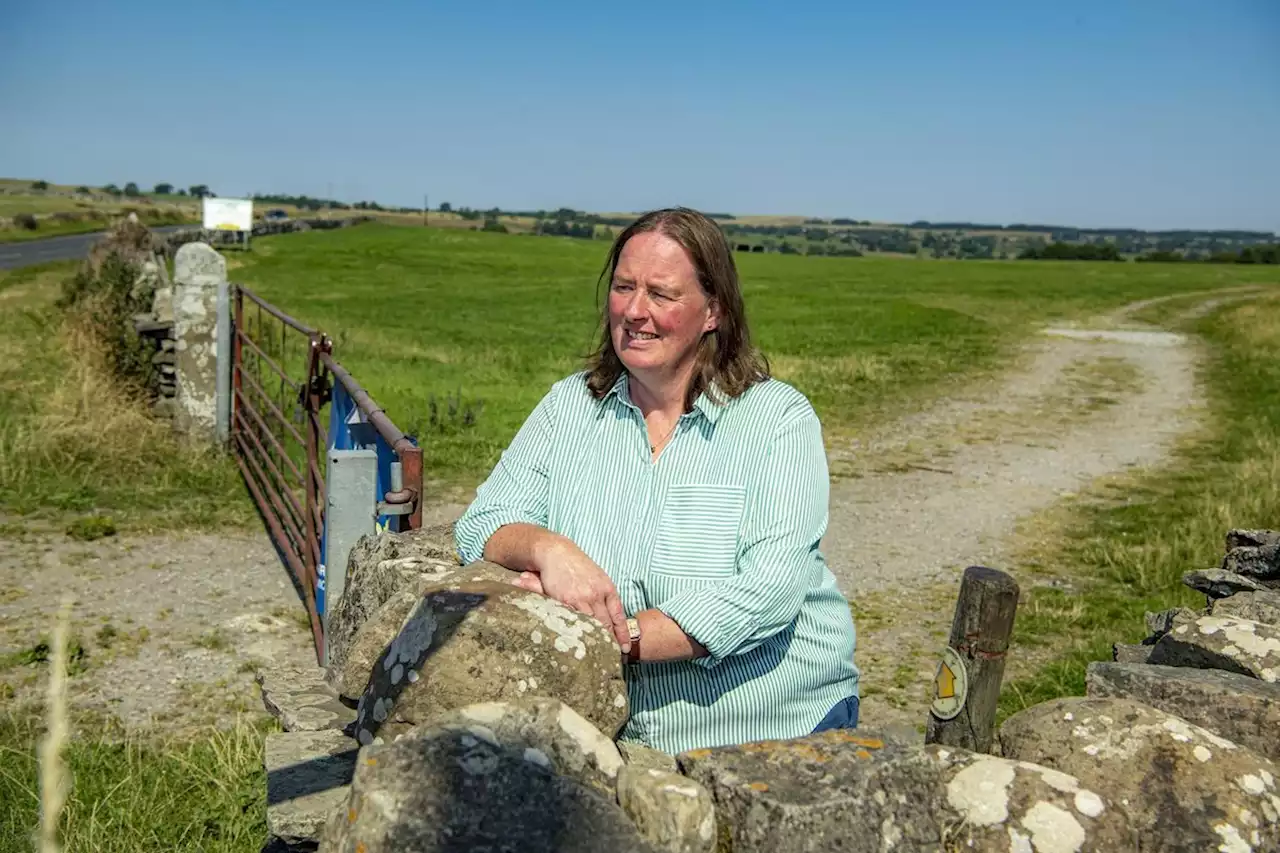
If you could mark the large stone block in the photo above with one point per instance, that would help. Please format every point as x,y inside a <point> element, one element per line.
<point>490,642</point>
<point>307,778</point>
<point>1237,707</point>
<point>646,757</point>
<point>378,567</point>
<point>672,811</point>
<point>1221,642</point>
<point>1216,583</point>
<point>1130,652</point>
<point>1161,623</point>
<point>301,699</point>
<point>1260,606</point>
<point>1261,562</point>
<point>447,791</point>
<point>1241,538</point>
<point>1180,786</point>
<point>547,729</point>
<point>351,675</point>
<point>851,791</point>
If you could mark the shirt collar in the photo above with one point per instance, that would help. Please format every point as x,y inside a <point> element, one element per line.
<point>704,405</point>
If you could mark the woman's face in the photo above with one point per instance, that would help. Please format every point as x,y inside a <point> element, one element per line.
<point>657,310</point>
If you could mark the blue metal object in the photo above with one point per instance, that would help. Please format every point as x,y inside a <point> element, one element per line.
<point>349,430</point>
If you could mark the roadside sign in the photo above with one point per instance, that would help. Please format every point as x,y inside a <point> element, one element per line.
<point>228,214</point>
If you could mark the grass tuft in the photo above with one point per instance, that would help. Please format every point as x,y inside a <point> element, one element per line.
<point>134,793</point>
<point>91,527</point>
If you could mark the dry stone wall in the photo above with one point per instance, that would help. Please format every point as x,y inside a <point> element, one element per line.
<point>464,713</point>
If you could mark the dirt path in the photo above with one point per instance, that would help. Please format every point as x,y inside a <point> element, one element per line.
<point>924,497</point>
<point>172,626</point>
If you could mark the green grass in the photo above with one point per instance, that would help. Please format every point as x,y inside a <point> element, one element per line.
<point>1127,549</point>
<point>421,313</point>
<point>74,442</point>
<point>132,794</point>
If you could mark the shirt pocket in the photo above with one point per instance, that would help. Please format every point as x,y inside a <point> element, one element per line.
<point>697,536</point>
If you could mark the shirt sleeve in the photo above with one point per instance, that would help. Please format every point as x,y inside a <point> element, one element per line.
<point>517,488</point>
<point>780,561</point>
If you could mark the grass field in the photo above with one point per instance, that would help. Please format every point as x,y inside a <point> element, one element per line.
<point>423,313</point>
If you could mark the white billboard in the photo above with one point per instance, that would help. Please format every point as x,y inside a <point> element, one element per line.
<point>228,214</point>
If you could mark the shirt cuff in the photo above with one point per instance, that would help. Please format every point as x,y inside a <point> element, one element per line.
<point>471,534</point>
<point>700,614</point>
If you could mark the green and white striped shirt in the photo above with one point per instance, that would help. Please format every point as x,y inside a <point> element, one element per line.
<point>721,534</point>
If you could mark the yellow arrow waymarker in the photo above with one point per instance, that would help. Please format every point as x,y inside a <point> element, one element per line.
<point>945,683</point>
<point>950,685</point>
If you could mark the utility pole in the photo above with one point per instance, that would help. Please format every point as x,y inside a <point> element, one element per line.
<point>425,207</point>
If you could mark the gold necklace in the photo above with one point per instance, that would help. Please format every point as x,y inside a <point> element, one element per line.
<point>653,448</point>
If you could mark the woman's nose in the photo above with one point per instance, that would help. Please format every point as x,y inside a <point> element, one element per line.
<point>635,307</point>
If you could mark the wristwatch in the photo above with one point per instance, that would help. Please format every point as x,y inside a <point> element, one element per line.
<point>633,633</point>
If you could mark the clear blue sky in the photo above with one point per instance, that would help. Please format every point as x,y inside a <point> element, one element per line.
<point>1148,114</point>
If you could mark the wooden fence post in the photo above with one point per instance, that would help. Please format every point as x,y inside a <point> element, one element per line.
<point>967,684</point>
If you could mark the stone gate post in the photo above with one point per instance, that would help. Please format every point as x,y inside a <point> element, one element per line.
<point>199,274</point>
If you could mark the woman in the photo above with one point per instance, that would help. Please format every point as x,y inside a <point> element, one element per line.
<point>678,494</point>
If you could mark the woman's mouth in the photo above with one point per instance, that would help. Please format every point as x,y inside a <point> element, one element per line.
<point>640,336</point>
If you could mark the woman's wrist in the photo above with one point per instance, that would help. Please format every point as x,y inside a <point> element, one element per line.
<point>547,549</point>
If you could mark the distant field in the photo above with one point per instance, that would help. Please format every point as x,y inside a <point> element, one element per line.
<point>60,210</point>
<point>492,317</point>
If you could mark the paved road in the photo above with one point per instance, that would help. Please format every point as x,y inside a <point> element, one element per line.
<point>69,248</point>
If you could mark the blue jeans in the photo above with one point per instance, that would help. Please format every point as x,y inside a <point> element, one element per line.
<point>844,715</point>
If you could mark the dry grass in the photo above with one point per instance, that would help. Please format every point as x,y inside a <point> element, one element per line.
<point>54,783</point>
<point>73,438</point>
<point>136,792</point>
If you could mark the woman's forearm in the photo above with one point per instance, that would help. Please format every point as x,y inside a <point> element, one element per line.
<point>662,639</point>
<point>521,547</point>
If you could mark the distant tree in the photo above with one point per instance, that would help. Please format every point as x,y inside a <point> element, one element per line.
<point>112,189</point>
<point>163,189</point>
<point>492,224</point>
<point>131,190</point>
<point>1071,252</point>
<point>182,192</point>
<point>200,190</point>
<point>83,190</point>
<point>445,207</point>
<point>39,185</point>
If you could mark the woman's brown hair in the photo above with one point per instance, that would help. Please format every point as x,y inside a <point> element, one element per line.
<point>726,362</point>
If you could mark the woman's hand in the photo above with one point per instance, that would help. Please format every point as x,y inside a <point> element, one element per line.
<point>529,581</point>
<point>569,576</point>
<point>553,565</point>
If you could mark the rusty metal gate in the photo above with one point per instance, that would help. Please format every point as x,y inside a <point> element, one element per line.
<point>282,380</point>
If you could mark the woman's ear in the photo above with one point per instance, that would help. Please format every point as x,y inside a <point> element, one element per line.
<point>713,318</point>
